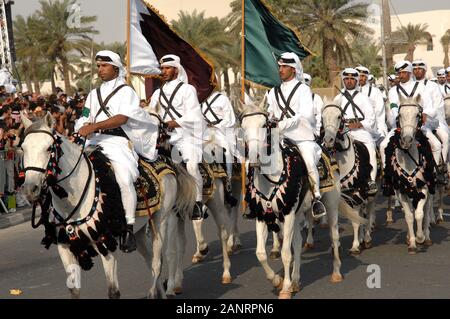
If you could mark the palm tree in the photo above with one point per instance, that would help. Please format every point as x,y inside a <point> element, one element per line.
<point>58,40</point>
<point>445,41</point>
<point>208,35</point>
<point>408,37</point>
<point>365,52</point>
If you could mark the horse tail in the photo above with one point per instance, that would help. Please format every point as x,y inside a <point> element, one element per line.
<point>187,191</point>
<point>346,211</point>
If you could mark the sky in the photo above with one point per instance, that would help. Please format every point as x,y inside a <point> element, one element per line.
<point>111,21</point>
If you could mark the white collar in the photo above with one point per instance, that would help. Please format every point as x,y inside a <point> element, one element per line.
<point>290,83</point>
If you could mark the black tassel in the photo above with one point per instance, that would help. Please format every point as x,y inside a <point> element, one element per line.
<point>110,242</point>
<point>92,233</point>
<point>101,247</point>
<point>62,236</point>
<point>85,261</point>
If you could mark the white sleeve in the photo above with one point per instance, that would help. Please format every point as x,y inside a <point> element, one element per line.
<point>369,115</point>
<point>304,110</point>
<point>380,113</point>
<point>229,118</point>
<point>318,105</point>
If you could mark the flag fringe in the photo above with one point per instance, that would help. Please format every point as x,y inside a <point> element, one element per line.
<point>212,79</point>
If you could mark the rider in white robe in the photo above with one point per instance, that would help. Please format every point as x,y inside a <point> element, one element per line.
<point>141,133</point>
<point>318,105</point>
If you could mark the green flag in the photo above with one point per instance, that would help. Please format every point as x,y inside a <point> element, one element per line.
<point>266,39</point>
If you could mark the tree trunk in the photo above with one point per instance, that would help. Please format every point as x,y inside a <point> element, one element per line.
<point>52,80</point>
<point>410,53</point>
<point>29,84</point>
<point>219,79</point>
<point>226,81</point>
<point>65,67</point>
<point>329,60</point>
<point>37,87</point>
<point>446,58</point>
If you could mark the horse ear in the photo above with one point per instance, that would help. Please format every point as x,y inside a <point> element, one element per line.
<point>25,120</point>
<point>418,98</point>
<point>402,99</point>
<point>48,120</point>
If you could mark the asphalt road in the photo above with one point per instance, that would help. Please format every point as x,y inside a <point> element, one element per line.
<point>38,273</point>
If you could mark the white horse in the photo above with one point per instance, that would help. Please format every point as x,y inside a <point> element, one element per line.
<point>332,122</point>
<point>179,193</point>
<point>410,175</point>
<point>253,120</point>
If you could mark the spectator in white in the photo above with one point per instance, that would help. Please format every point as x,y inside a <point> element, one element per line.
<point>376,99</point>
<point>112,125</point>
<point>445,87</point>
<point>441,77</point>
<point>360,119</point>
<point>318,105</point>
<point>291,107</point>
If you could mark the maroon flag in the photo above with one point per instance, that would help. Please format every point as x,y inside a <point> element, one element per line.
<point>162,40</point>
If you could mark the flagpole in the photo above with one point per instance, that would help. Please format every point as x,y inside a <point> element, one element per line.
<point>243,170</point>
<point>128,43</point>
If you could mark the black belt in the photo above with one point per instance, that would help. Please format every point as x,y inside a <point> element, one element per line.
<point>115,131</point>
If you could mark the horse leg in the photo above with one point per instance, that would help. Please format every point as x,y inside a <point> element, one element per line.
<point>355,245</point>
<point>433,220</point>
<point>409,217</point>
<point>324,222</point>
<point>286,254</point>
<point>310,226</point>
<point>296,245</point>
<point>333,214</point>
<point>110,266</point>
<point>426,223</point>
<point>234,242</point>
<point>390,208</point>
<point>276,245</point>
<point>261,238</point>
<point>419,214</point>
<point>202,246</point>
<point>71,265</point>
<point>171,253</point>
<point>181,247</point>
<point>157,245</point>
<point>440,217</point>
<point>218,211</point>
<point>370,208</point>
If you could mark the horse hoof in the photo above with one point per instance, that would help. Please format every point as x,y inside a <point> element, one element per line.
<point>178,290</point>
<point>205,251</point>
<point>428,242</point>
<point>295,287</point>
<point>368,244</point>
<point>335,278</point>
<point>354,252</point>
<point>412,251</point>
<point>439,221</point>
<point>274,255</point>
<point>284,295</point>
<point>236,248</point>
<point>308,246</point>
<point>226,280</point>
<point>170,296</point>
<point>324,226</point>
<point>279,286</point>
<point>197,259</point>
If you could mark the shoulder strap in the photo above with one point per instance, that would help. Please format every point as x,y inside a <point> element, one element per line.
<point>209,109</point>
<point>286,110</point>
<point>355,108</point>
<point>168,109</point>
<point>370,90</point>
<point>103,104</point>
<point>400,88</point>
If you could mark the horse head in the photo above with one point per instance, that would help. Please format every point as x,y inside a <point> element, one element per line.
<point>332,123</point>
<point>253,121</point>
<point>447,107</point>
<point>36,153</point>
<point>409,120</point>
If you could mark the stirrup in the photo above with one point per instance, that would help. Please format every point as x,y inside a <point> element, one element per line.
<point>318,209</point>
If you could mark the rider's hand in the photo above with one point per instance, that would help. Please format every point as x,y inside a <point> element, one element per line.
<point>172,124</point>
<point>86,130</point>
<point>354,126</point>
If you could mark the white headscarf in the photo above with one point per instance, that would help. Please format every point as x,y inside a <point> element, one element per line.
<point>447,70</point>
<point>291,59</point>
<point>403,66</point>
<point>441,73</point>
<point>174,61</point>
<point>307,79</point>
<point>419,63</point>
<point>350,73</point>
<point>111,58</point>
<point>363,70</point>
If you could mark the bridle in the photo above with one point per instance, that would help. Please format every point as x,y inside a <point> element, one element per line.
<point>340,130</point>
<point>418,116</point>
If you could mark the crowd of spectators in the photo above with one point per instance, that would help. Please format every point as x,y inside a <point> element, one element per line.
<point>65,110</point>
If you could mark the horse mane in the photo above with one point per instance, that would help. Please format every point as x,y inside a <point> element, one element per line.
<point>38,124</point>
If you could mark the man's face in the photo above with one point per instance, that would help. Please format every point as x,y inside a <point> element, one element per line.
<point>286,72</point>
<point>419,73</point>
<point>448,77</point>
<point>350,83</point>
<point>362,79</point>
<point>106,71</point>
<point>441,80</point>
<point>169,73</point>
<point>404,76</point>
